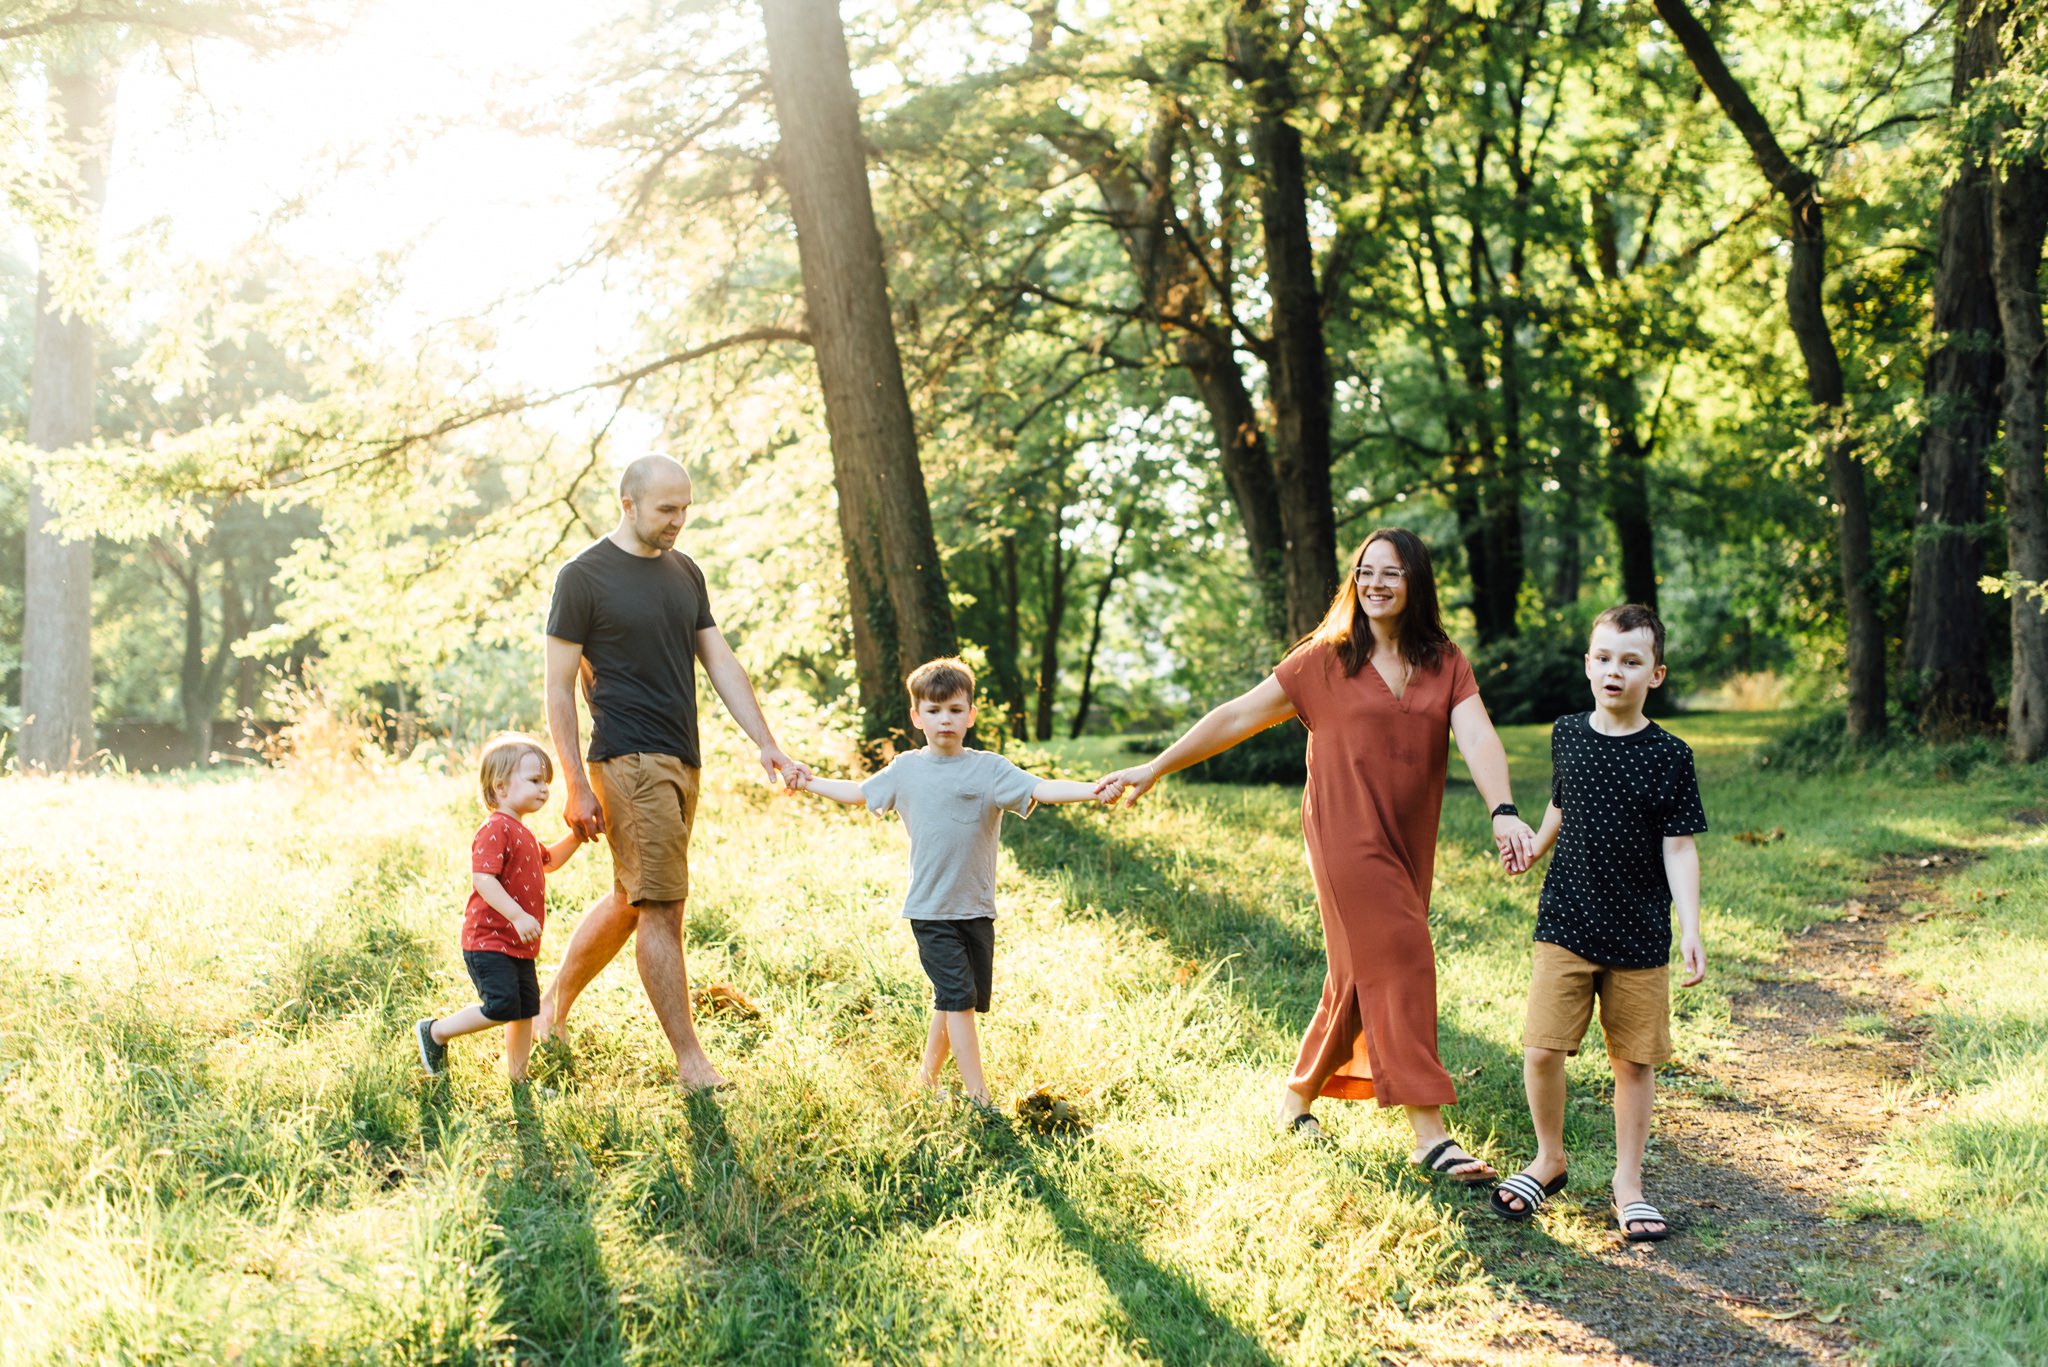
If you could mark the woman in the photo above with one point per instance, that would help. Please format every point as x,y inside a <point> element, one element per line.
<point>1378,684</point>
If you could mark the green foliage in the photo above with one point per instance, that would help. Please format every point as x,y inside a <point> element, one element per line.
<point>1278,754</point>
<point>1537,676</point>
<point>1820,745</point>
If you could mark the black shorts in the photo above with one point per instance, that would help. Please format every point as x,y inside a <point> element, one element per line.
<point>959,957</point>
<point>508,988</point>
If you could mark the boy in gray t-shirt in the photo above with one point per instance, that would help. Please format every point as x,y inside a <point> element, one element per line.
<point>952,801</point>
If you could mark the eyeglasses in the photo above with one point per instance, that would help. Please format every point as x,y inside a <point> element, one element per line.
<point>1391,578</point>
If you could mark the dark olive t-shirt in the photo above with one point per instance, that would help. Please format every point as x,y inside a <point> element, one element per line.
<point>637,619</point>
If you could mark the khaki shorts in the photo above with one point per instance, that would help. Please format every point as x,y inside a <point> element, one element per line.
<point>650,803</point>
<point>1635,1006</point>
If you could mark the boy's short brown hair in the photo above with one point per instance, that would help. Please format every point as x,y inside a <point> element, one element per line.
<point>501,756</point>
<point>1634,617</point>
<point>938,680</point>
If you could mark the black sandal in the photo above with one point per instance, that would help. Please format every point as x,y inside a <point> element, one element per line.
<point>1299,1127</point>
<point>1530,1192</point>
<point>1641,1213</point>
<point>1438,1162</point>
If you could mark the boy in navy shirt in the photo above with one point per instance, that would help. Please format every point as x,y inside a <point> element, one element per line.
<point>1624,807</point>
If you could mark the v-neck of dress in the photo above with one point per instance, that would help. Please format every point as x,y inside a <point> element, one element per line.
<point>1401,698</point>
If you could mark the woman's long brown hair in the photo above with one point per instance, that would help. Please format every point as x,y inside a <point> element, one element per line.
<point>1346,631</point>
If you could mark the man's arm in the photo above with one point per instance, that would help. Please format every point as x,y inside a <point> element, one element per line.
<point>562,670</point>
<point>736,691</point>
<point>1682,872</point>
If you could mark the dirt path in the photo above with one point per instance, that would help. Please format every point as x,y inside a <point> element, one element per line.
<point>1747,1157</point>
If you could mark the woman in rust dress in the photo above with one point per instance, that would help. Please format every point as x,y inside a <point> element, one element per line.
<point>1382,690</point>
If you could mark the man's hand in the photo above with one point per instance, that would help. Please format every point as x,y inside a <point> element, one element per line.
<point>781,768</point>
<point>583,814</point>
<point>1110,789</point>
<point>525,927</point>
<point>1695,955</point>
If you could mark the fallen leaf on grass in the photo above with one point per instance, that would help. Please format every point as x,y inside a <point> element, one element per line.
<point>1048,1112</point>
<point>1470,1073</point>
<point>721,999</point>
<point>1796,1312</point>
<point>1770,837</point>
<point>1935,861</point>
<point>1831,1315</point>
<point>1925,915</point>
<point>1186,972</point>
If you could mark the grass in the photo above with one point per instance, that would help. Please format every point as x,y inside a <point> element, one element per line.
<point>219,1146</point>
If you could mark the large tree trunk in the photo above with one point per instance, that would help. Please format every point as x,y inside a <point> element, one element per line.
<point>1947,646</point>
<point>897,586</point>
<point>1300,390</point>
<point>1004,652</point>
<point>56,637</point>
<point>1800,190</point>
<point>2019,222</point>
<point>1628,493</point>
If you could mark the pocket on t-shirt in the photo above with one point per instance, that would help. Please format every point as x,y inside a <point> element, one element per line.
<point>965,808</point>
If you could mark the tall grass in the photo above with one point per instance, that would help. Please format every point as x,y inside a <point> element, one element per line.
<point>219,1146</point>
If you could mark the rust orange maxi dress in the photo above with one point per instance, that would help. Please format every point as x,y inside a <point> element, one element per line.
<point>1376,769</point>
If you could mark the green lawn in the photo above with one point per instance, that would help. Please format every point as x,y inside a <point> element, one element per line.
<point>218,1142</point>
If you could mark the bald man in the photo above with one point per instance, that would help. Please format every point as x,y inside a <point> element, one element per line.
<point>631,618</point>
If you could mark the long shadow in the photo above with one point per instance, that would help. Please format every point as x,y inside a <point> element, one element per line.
<point>559,1302</point>
<point>1165,1312</point>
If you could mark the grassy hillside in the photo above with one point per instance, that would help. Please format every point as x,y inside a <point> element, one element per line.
<point>219,1145</point>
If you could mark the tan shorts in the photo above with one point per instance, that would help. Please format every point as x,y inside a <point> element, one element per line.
<point>650,803</point>
<point>1635,1006</point>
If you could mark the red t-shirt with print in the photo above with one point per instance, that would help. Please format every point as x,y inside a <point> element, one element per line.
<point>506,850</point>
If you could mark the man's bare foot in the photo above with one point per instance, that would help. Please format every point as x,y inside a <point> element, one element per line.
<point>701,1077</point>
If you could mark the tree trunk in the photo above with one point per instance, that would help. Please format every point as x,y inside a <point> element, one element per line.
<point>1102,592</point>
<point>1055,579</point>
<point>1947,645</point>
<point>1003,652</point>
<point>1824,387</point>
<point>2019,221</point>
<point>896,583</point>
<point>1300,389</point>
<point>56,637</point>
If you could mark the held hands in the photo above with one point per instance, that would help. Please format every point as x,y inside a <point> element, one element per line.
<point>1111,789</point>
<point>782,769</point>
<point>1695,955</point>
<point>1515,842</point>
<point>584,817</point>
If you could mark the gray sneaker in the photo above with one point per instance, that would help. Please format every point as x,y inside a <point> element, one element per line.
<point>433,1056</point>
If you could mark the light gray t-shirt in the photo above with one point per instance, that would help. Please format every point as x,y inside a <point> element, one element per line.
<point>953,807</point>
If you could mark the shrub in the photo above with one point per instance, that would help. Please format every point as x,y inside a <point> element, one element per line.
<point>1538,676</point>
<point>1276,755</point>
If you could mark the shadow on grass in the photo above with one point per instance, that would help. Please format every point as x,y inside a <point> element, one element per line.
<point>1165,1314</point>
<point>558,1299</point>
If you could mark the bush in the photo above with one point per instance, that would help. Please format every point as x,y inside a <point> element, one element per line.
<point>1821,745</point>
<point>1276,755</point>
<point>1535,677</point>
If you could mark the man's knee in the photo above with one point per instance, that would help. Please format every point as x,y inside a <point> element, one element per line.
<point>660,913</point>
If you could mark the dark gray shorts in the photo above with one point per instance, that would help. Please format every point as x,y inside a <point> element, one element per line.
<point>959,957</point>
<point>508,989</point>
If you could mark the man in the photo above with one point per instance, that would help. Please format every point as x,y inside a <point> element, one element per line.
<point>631,618</point>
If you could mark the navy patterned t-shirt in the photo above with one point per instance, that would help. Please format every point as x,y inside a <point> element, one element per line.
<point>1605,897</point>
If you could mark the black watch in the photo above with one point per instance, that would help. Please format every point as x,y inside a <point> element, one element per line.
<point>1506,809</point>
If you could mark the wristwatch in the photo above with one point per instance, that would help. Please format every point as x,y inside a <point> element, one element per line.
<point>1506,809</point>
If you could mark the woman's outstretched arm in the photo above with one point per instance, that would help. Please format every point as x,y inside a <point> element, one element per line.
<point>1247,714</point>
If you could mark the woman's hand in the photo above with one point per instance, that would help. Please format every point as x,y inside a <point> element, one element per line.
<point>1516,843</point>
<point>1137,781</point>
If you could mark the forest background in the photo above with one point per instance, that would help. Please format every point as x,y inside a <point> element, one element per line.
<point>354,312</point>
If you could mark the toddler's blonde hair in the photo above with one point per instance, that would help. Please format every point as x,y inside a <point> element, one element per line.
<point>501,757</point>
